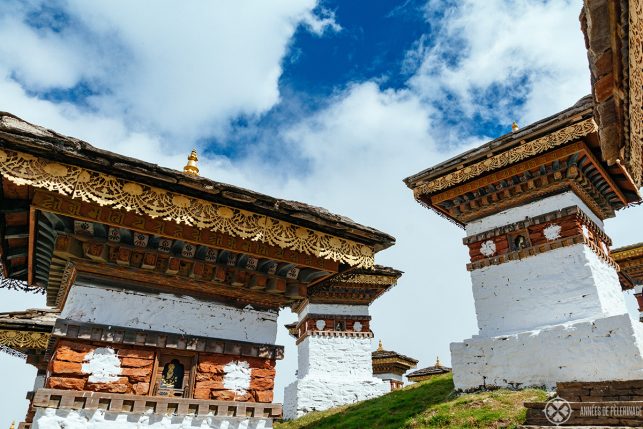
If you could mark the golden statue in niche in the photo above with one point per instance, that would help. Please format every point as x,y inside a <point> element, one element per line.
<point>172,376</point>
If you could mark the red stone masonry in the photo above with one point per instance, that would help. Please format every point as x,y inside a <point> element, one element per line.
<point>210,372</point>
<point>575,228</point>
<point>137,367</point>
<point>65,369</point>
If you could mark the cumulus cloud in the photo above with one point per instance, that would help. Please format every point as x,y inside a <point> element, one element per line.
<point>183,70</point>
<point>502,59</point>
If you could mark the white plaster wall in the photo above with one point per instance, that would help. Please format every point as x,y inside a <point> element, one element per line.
<point>168,313</point>
<point>334,309</point>
<point>517,214</point>
<point>335,357</point>
<point>561,285</point>
<point>390,376</point>
<point>317,394</point>
<point>604,349</point>
<point>69,419</point>
<point>332,371</point>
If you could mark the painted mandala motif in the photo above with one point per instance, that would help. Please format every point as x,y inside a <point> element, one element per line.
<point>552,232</point>
<point>488,248</point>
<point>320,324</point>
<point>357,327</point>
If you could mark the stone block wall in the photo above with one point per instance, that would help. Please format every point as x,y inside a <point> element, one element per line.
<point>629,390</point>
<point>79,366</point>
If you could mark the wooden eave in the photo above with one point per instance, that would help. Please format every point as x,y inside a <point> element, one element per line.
<point>613,38</point>
<point>582,109</point>
<point>517,154</point>
<point>630,262</point>
<point>19,135</point>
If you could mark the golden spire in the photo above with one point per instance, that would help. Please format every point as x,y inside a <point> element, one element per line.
<point>380,347</point>
<point>190,167</point>
<point>437,362</point>
<point>13,425</point>
<point>514,126</point>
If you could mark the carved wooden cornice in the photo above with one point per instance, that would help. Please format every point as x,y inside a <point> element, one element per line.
<point>73,330</point>
<point>106,190</point>
<point>635,111</point>
<point>136,404</point>
<point>621,255</point>
<point>509,157</point>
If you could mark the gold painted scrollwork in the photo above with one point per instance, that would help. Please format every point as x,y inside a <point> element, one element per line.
<point>512,156</point>
<point>24,339</point>
<point>635,47</point>
<point>106,190</point>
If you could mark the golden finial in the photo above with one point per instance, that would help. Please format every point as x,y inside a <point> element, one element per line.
<point>514,126</point>
<point>13,425</point>
<point>437,362</point>
<point>190,167</point>
<point>380,347</point>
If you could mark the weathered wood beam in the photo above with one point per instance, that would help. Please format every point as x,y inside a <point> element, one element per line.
<point>14,206</point>
<point>16,232</point>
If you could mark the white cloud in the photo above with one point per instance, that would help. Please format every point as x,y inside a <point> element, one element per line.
<point>181,69</point>
<point>493,50</point>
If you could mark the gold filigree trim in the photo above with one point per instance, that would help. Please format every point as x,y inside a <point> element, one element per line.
<point>106,190</point>
<point>512,156</point>
<point>24,339</point>
<point>621,255</point>
<point>635,47</point>
<point>365,279</point>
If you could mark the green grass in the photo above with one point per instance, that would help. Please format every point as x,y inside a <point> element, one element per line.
<point>430,404</point>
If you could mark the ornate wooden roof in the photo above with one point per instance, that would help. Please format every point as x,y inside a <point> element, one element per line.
<point>613,33</point>
<point>387,361</point>
<point>630,262</point>
<point>428,372</point>
<point>32,157</point>
<point>554,155</point>
<point>69,209</point>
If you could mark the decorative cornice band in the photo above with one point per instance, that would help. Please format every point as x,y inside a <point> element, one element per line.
<point>511,156</point>
<point>621,255</point>
<point>342,334</point>
<point>24,339</point>
<point>72,330</point>
<point>125,403</point>
<point>547,217</point>
<point>106,190</point>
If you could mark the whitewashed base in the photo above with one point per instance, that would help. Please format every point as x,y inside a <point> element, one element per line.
<point>318,394</point>
<point>605,349</point>
<point>50,418</point>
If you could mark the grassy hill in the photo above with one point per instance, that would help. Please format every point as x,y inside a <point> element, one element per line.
<point>430,404</point>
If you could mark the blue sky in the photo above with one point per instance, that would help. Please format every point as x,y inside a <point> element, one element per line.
<point>332,103</point>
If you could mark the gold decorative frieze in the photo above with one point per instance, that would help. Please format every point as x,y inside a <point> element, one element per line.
<point>367,279</point>
<point>621,255</point>
<point>24,339</point>
<point>512,156</point>
<point>107,190</point>
<point>633,154</point>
